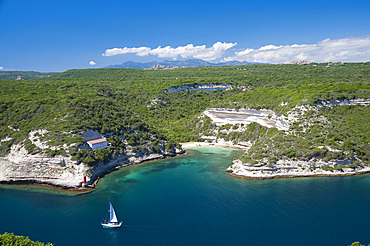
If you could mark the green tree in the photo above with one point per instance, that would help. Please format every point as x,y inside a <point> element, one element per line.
<point>9,239</point>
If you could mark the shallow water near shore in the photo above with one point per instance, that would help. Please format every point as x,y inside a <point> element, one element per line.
<point>191,200</point>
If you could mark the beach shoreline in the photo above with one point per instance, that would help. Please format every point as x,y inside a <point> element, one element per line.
<point>229,144</point>
<point>237,170</point>
<point>236,173</point>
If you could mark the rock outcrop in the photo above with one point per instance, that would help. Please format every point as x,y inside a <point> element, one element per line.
<point>288,168</point>
<point>20,166</point>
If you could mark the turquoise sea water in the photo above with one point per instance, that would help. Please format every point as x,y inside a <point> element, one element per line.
<point>190,200</point>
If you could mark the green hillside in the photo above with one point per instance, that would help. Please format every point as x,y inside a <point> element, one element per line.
<point>119,101</point>
<point>22,75</point>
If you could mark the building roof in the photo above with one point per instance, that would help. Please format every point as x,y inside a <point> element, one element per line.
<point>100,140</point>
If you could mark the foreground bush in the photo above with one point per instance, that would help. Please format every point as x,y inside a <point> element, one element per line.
<point>9,239</point>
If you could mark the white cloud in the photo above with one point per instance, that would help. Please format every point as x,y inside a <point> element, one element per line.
<point>188,51</point>
<point>1,68</point>
<point>352,49</point>
<point>92,63</point>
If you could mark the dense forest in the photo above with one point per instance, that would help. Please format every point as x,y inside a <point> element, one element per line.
<point>133,105</point>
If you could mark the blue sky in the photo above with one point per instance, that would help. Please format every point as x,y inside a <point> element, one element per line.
<point>60,35</point>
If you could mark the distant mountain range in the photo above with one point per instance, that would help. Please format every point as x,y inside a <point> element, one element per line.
<point>187,63</point>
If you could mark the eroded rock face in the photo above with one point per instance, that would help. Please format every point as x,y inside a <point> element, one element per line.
<point>288,168</point>
<point>18,165</point>
<point>266,118</point>
<point>22,166</point>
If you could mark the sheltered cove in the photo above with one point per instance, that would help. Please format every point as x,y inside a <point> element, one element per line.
<point>219,116</point>
<point>262,176</point>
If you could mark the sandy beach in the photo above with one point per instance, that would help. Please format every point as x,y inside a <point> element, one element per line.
<point>221,143</point>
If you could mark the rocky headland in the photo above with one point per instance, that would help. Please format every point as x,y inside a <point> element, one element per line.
<point>62,171</point>
<point>291,169</point>
<point>267,168</point>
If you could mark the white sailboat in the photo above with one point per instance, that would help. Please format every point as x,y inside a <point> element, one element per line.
<point>113,220</point>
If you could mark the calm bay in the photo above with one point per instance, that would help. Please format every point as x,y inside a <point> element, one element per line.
<point>191,200</point>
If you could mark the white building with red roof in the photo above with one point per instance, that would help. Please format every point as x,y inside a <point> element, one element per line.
<point>98,143</point>
<point>95,140</point>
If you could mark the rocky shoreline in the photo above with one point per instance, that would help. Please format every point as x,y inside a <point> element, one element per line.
<point>38,184</point>
<point>282,166</point>
<point>282,169</point>
<point>60,172</point>
<point>297,176</point>
<point>293,169</point>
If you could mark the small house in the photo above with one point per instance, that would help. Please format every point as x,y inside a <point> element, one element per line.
<point>98,143</point>
<point>95,140</point>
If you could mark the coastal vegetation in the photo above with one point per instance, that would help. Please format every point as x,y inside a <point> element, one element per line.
<point>335,133</point>
<point>357,244</point>
<point>133,108</point>
<point>9,239</point>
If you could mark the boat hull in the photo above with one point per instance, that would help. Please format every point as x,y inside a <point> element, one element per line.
<point>111,225</point>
